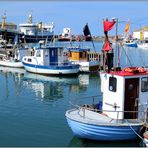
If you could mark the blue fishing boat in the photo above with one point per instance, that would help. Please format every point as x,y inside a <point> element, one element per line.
<point>131,44</point>
<point>123,109</point>
<point>122,114</point>
<point>49,61</point>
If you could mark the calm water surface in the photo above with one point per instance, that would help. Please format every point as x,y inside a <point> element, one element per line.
<point>32,107</point>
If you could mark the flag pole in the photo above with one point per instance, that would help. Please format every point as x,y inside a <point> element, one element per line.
<point>92,41</point>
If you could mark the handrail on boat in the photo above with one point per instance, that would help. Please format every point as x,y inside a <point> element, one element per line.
<point>92,108</point>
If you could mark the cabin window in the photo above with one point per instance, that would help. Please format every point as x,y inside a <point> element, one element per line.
<point>112,84</point>
<point>144,84</point>
<point>81,54</point>
<point>52,53</point>
<point>46,53</point>
<point>29,60</point>
<point>59,53</point>
<point>38,54</point>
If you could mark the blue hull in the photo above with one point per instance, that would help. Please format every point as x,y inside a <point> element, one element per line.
<point>102,132</point>
<point>132,45</point>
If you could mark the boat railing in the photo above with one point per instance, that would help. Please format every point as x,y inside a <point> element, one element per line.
<point>97,107</point>
<point>91,108</point>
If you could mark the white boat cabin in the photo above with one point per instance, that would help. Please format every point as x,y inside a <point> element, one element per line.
<point>125,93</point>
<point>48,56</point>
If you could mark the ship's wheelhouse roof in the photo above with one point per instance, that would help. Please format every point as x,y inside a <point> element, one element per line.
<point>130,72</point>
<point>74,49</point>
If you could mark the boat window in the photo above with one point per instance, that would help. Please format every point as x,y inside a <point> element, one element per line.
<point>112,84</point>
<point>144,84</point>
<point>38,54</point>
<point>52,53</point>
<point>81,54</point>
<point>29,60</point>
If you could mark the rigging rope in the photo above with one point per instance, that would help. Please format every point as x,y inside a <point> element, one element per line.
<point>126,56</point>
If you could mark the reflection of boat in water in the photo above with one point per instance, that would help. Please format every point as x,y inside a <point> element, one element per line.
<point>54,86</point>
<point>44,78</point>
<point>77,142</point>
<point>48,87</point>
<point>12,70</point>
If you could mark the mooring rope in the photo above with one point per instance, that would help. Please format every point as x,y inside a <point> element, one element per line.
<point>135,131</point>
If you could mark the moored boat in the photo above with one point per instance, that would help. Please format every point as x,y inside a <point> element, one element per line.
<point>50,61</point>
<point>33,33</point>
<point>122,114</point>
<point>88,60</point>
<point>122,111</point>
<point>130,43</point>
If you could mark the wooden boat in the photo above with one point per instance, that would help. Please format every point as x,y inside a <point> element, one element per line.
<point>88,61</point>
<point>50,61</point>
<point>122,114</point>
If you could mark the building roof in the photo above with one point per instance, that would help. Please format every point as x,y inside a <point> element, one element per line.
<point>145,28</point>
<point>8,24</point>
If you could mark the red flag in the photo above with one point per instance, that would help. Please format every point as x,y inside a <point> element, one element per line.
<point>106,46</point>
<point>108,25</point>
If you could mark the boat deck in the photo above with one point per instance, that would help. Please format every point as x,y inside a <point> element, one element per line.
<point>91,117</point>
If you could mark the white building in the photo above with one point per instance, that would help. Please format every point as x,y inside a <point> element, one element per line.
<point>141,33</point>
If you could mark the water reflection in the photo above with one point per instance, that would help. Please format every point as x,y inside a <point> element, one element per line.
<point>78,142</point>
<point>11,80</point>
<point>49,87</point>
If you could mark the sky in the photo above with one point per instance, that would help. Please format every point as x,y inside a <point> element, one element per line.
<point>75,14</point>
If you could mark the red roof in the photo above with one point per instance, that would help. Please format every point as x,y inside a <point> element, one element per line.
<point>130,72</point>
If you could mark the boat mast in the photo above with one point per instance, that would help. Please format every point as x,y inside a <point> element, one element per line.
<point>116,50</point>
<point>30,18</point>
<point>3,26</point>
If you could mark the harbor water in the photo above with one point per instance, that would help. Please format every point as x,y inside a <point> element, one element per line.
<point>32,107</point>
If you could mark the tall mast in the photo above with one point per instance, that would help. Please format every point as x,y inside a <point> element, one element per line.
<point>3,26</point>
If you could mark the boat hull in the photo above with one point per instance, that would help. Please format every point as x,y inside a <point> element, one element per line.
<point>131,44</point>
<point>91,66</point>
<point>35,39</point>
<point>11,64</point>
<point>51,70</point>
<point>143,46</point>
<point>95,126</point>
<point>101,132</point>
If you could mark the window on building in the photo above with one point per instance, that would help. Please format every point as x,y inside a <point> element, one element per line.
<point>144,84</point>
<point>112,84</point>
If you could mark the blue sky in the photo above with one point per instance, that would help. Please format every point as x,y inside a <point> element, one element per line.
<point>75,14</point>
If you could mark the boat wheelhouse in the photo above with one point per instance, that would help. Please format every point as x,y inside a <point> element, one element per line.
<point>123,112</point>
<point>33,33</point>
<point>50,60</point>
<point>88,61</point>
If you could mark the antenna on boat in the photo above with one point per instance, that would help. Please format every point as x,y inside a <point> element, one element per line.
<point>3,20</point>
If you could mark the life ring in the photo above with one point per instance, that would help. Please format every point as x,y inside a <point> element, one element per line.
<point>135,69</point>
<point>128,69</point>
<point>141,69</point>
